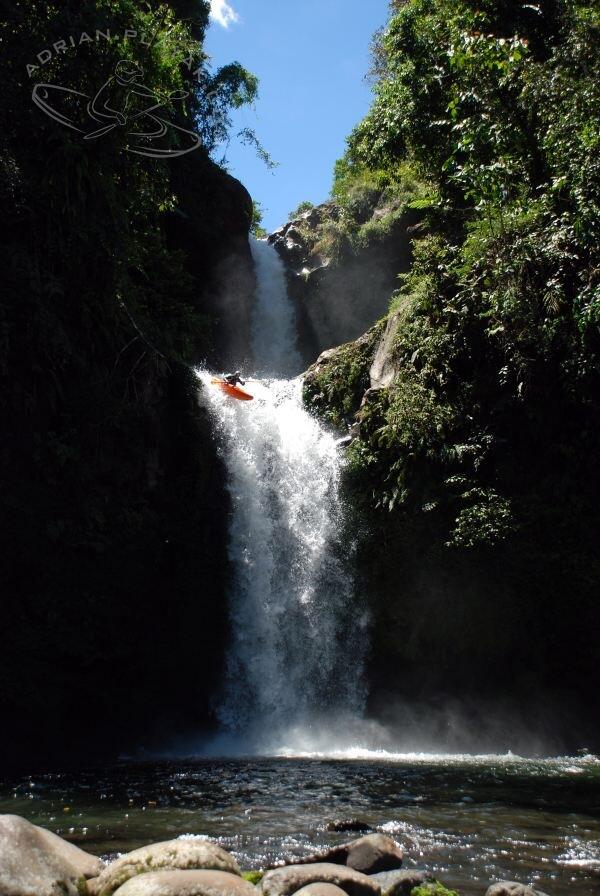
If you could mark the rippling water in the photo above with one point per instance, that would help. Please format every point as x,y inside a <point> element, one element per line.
<point>470,820</point>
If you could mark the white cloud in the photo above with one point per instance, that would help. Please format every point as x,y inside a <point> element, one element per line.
<point>223,13</point>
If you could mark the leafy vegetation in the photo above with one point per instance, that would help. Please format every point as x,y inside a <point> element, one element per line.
<point>433,889</point>
<point>341,379</point>
<point>367,206</point>
<point>304,206</point>
<point>254,877</point>
<point>257,218</point>
<point>484,445</point>
<point>497,111</point>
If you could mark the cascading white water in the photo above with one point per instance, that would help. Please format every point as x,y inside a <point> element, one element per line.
<point>295,659</point>
<point>273,318</point>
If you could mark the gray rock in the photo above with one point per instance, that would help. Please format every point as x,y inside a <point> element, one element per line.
<point>374,853</point>
<point>384,368</point>
<point>171,855</point>
<point>369,854</point>
<point>289,879</point>
<point>320,889</point>
<point>401,883</point>
<point>512,888</point>
<point>187,883</point>
<point>35,862</point>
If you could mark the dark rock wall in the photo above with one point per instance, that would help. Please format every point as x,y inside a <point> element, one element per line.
<point>486,648</point>
<point>211,225</point>
<point>114,516</point>
<point>338,299</point>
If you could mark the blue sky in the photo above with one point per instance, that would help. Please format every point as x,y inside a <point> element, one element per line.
<point>311,57</point>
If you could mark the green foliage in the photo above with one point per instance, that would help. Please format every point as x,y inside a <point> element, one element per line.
<point>248,137</point>
<point>334,388</point>
<point>304,206</point>
<point>366,211</point>
<point>333,241</point>
<point>486,519</point>
<point>257,218</point>
<point>485,117</point>
<point>433,889</point>
<point>253,877</point>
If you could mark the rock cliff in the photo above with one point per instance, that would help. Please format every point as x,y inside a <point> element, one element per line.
<point>341,288</point>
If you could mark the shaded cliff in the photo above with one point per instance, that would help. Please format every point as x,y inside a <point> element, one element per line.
<point>473,404</point>
<point>114,513</point>
<point>343,265</point>
<point>484,616</point>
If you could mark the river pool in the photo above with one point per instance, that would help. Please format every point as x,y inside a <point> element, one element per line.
<point>470,820</point>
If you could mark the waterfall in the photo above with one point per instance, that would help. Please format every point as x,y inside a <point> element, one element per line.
<point>273,318</point>
<point>295,658</point>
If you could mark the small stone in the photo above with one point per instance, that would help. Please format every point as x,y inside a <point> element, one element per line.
<point>512,888</point>
<point>374,853</point>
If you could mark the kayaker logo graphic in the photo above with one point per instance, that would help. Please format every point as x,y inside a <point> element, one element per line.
<point>123,103</point>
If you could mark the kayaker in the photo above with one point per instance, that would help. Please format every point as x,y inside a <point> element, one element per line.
<point>234,378</point>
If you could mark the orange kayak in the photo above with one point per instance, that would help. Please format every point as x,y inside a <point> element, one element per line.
<point>233,391</point>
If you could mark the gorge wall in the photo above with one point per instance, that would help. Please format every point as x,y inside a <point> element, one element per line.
<point>473,406</point>
<point>120,272</point>
<point>114,518</point>
<point>485,644</point>
<point>339,291</point>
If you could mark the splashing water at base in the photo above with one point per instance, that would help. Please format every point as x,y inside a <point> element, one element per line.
<point>296,656</point>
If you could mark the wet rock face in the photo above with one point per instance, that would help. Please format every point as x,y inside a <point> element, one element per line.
<point>369,854</point>
<point>35,862</point>
<point>290,879</point>
<point>374,853</point>
<point>172,855</point>
<point>383,370</point>
<point>186,883</point>
<point>211,227</point>
<point>337,299</point>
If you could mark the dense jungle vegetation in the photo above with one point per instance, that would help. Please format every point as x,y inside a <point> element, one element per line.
<point>113,514</point>
<point>476,469</point>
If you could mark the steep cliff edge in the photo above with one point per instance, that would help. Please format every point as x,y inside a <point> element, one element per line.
<point>343,267</point>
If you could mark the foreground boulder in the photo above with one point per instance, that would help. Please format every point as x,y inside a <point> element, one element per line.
<point>290,878</point>
<point>369,854</point>
<point>35,862</point>
<point>186,883</point>
<point>171,855</point>
<point>512,888</point>
<point>401,883</point>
